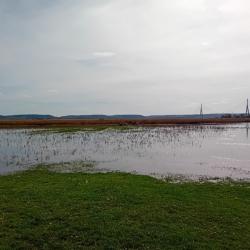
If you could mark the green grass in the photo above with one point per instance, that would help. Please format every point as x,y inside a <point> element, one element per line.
<point>46,210</point>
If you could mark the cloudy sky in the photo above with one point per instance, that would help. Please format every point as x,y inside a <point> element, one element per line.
<point>124,56</point>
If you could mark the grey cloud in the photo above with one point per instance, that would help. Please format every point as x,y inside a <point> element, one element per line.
<point>119,56</point>
<point>96,58</point>
<point>26,8</point>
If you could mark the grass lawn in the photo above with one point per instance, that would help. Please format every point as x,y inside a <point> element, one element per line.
<point>44,210</point>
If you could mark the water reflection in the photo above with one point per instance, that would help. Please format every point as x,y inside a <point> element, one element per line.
<point>216,151</point>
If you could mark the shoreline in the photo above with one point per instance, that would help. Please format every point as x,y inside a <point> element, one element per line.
<point>89,168</point>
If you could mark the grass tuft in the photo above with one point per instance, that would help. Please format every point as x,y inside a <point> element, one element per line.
<point>92,128</point>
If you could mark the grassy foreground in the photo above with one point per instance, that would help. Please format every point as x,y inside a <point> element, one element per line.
<point>45,210</point>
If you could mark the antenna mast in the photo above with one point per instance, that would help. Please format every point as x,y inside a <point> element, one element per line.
<point>201,111</point>
<point>247,109</point>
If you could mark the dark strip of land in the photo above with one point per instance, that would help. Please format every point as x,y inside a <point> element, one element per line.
<point>121,122</point>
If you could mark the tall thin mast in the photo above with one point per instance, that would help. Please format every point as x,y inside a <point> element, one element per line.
<point>247,109</point>
<point>201,111</point>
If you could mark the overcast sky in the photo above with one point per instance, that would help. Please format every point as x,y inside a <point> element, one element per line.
<point>124,56</point>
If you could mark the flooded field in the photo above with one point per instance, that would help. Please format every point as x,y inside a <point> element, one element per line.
<point>206,151</point>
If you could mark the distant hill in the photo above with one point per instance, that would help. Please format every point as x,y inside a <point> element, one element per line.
<point>127,117</point>
<point>184,116</point>
<point>86,117</point>
<point>26,117</point>
<point>102,117</point>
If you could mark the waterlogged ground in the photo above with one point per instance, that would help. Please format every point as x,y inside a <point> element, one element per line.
<point>207,151</point>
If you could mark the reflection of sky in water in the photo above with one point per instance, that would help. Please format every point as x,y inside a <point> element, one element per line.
<point>216,151</point>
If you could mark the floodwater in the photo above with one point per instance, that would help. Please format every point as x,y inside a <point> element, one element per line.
<point>209,151</point>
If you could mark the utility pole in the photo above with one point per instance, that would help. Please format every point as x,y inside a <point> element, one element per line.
<point>247,109</point>
<point>201,111</point>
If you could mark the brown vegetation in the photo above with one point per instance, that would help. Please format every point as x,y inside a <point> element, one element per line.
<point>120,122</point>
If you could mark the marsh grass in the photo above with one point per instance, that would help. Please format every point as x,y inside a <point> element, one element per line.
<point>92,128</point>
<point>41,209</point>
